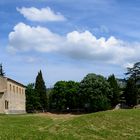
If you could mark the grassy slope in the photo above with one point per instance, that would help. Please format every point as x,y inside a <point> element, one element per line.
<point>110,125</point>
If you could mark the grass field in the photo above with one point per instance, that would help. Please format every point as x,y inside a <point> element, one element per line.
<point>109,125</point>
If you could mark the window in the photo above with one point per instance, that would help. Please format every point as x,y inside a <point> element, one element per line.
<point>13,88</point>
<point>10,87</point>
<point>6,104</point>
<point>20,90</point>
<point>17,90</point>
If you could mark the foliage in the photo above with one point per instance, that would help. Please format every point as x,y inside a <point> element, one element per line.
<point>95,93</point>
<point>64,95</point>
<point>49,91</point>
<point>115,90</point>
<point>131,92</point>
<point>40,90</point>
<point>32,101</point>
<point>134,72</point>
<point>2,73</point>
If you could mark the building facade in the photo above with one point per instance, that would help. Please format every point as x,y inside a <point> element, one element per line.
<point>12,96</point>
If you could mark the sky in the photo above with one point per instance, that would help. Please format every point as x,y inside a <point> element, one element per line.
<point>67,39</point>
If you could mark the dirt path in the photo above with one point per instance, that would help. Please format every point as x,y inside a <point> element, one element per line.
<point>58,116</point>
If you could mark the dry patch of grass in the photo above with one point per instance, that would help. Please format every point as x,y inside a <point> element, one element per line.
<point>55,116</point>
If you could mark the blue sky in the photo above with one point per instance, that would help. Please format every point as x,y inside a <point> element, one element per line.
<point>68,39</point>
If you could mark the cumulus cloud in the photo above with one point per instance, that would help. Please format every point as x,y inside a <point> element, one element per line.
<point>41,15</point>
<point>76,45</point>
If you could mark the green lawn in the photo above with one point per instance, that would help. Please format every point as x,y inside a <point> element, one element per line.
<point>109,125</point>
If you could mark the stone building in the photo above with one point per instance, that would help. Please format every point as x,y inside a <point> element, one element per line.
<point>12,96</point>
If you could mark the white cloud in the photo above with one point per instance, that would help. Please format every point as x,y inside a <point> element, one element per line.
<point>128,65</point>
<point>76,45</point>
<point>41,15</point>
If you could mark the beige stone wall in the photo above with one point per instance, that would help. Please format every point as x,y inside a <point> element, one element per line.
<point>3,90</point>
<point>3,85</point>
<point>1,102</point>
<point>14,94</point>
<point>16,97</point>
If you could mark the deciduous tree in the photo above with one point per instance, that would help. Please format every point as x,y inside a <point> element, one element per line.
<point>65,95</point>
<point>95,92</point>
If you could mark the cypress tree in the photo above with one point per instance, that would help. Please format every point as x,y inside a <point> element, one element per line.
<point>40,89</point>
<point>115,89</point>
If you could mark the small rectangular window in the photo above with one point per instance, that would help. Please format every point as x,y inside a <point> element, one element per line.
<point>14,89</point>
<point>6,104</point>
<point>20,90</point>
<point>17,89</point>
<point>10,87</point>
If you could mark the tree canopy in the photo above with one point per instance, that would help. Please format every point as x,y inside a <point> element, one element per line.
<point>134,72</point>
<point>132,90</point>
<point>64,95</point>
<point>93,93</point>
<point>96,93</point>
<point>115,90</point>
<point>32,101</point>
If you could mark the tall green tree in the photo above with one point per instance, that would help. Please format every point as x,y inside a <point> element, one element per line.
<point>2,73</point>
<point>32,100</point>
<point>58,100</point>
<point>131,92</point>
<point>95,93</point>
<point>72,94</point>
<point>40,90</point>
<point>115,90</point>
